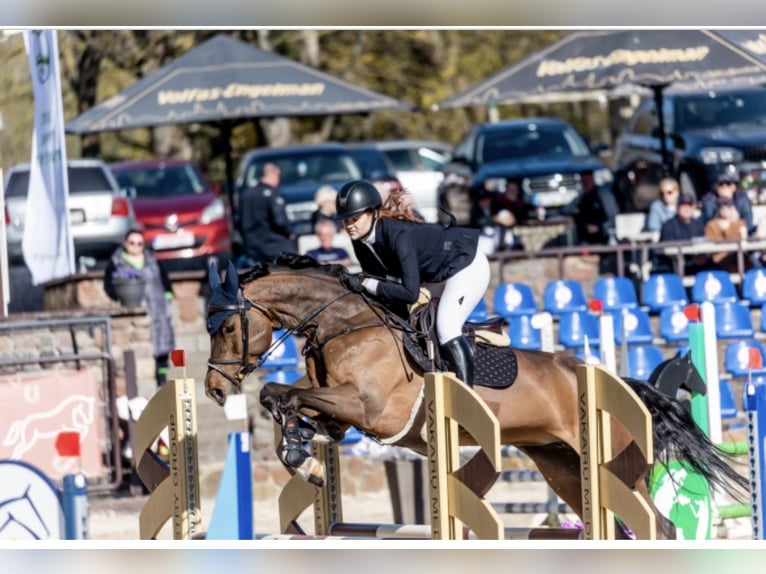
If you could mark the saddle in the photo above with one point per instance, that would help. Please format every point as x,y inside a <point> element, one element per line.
<point>487,340</point>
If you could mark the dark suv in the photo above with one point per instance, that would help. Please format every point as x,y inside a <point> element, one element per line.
<point>304,169</point>
<point>707,133</point>
<point>544,157</point>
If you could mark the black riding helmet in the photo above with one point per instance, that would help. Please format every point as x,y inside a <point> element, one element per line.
<point>356,197</point>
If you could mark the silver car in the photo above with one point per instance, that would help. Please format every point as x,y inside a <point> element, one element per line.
<point>100,214</point>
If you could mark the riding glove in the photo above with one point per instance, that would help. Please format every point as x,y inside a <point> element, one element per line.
<point>354,282</point>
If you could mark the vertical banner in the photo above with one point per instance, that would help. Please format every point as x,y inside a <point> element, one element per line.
<point>5,295</point>
<point>47,243</point>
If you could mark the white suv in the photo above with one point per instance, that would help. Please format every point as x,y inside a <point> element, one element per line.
<point>100,214</point>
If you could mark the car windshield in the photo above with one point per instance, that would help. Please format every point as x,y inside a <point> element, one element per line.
<point>528,141</point>
<point>319,167</point>
<point>81,180</point>
<point>371,161</point>
<point>161,181</point>
<point>715,110</point>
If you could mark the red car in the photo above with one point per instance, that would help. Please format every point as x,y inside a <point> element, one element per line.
<point>183,217</point>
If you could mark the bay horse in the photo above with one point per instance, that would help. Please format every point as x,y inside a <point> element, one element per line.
<point>361,375</point>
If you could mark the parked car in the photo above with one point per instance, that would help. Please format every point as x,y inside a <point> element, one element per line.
<point>304,169</point>
<point>182,216</point>
<point>544,157</point>
<point>418,165</point>
<point>415,165</point>
<point>707,133</point>
<point>100,214</point>
<point>373,163</point>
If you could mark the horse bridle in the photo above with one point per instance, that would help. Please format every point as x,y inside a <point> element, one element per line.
<point>244,304</point>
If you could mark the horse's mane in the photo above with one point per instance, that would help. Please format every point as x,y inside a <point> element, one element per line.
<point>295,262</point>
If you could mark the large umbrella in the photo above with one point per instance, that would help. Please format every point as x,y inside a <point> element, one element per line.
<point>224,80</point>
<point>586,62</point>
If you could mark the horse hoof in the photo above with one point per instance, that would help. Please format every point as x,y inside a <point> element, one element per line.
<point>295,457</point>
<point>307,430</point>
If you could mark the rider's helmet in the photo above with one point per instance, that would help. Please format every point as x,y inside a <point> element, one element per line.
<point>356,197</point>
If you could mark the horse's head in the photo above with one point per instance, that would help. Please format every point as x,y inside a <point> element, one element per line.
<point>240,332</point>
<point>678,373</point>
<point>290,295</point>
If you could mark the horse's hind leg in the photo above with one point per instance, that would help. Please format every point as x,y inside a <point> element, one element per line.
<point>560,466</point>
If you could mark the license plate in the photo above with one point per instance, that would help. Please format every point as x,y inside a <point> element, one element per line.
<point>555,199</point>
<point>76,216</point>
<point>173,240</point>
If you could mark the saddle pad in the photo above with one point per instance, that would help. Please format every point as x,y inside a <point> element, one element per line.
<point>494,367</point>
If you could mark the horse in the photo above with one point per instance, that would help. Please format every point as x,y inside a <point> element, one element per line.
<point>361,374</point>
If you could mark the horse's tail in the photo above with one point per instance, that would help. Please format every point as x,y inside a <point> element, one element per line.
<point>677,437</point>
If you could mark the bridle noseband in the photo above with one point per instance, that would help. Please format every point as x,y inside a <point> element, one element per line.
<point>244,304</point>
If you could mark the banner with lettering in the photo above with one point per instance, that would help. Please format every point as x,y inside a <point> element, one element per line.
<point>47,242</point>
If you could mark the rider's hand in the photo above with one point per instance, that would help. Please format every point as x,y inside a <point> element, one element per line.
<point>354,282</point>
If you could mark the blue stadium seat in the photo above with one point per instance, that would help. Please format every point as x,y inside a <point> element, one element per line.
<point>737,358</point>
<point>479,312</point>
<point>286,355</point>
<point>635,323</point>
<point>563,295</point>
<point>522,334</point>
<point>513,299</point>
<point>615,293</point>
<point>674,326</point>
<point>754,287</point>
<point>715,286</point>
<point>733,321</point>
<point>593,357</point>
<point>663,290</point>
<point>574,326</point>
<point>728,404</point>
<point>642,360</point>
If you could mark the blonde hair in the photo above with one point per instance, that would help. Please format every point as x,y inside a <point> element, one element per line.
<point>324,194</point>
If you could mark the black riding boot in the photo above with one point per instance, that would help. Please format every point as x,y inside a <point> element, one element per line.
<point>459,356</point>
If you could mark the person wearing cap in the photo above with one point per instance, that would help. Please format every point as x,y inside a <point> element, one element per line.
<point>398,254</point>
<point>726,188</point>
<point>684,226</point>
<point>726,226</point>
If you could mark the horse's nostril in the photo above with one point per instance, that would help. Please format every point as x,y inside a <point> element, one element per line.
<point>217,395</point>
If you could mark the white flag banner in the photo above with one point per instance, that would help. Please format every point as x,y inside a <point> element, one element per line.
<point>47,243</point>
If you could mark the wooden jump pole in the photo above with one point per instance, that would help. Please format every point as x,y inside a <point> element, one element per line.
<point>175,494</point>
<point>601,396</point>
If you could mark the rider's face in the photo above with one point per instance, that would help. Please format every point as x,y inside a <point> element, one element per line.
<point>358,226</point>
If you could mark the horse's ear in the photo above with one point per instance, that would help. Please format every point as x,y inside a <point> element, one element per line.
<point>232,279</point>
<point>213,277</point>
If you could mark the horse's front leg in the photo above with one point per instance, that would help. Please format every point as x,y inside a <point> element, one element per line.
<point>342,403</point>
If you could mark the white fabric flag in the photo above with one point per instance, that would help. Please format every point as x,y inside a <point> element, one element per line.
<point>47,243</point>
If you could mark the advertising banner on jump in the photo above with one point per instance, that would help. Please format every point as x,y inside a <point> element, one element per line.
<point>47,243</point>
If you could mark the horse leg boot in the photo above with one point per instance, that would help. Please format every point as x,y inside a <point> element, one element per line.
<point>459,356</point>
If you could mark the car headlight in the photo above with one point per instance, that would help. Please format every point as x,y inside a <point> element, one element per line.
<point>213,211</point>
<point>603,176</point>
<point>495,184</point>
<point>713,155</point>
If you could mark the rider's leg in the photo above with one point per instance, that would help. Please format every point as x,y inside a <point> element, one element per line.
<point>462,292</point>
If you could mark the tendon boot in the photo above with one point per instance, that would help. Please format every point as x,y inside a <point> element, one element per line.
<point>459,357</point>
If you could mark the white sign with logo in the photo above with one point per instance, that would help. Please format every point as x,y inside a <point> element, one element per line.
<point>30,506</point>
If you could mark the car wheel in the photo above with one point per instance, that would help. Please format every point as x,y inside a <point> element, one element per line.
<point>687,183</point>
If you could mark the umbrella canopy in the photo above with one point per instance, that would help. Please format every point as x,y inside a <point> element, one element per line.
<point>585,62</point>
<point>225,79</point>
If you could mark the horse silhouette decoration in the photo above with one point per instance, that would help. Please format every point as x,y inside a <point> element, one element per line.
<point>361,375</point>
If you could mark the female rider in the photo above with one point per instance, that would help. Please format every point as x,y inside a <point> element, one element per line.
<point>404,253</point>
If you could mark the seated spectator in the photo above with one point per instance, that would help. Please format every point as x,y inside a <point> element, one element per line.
<point>596,212</point>
<point>726,225</point>
<point>684,226</point>
<point>726,188</point>
<point>325,200</point>
<point>664,207</point>
<point>496,222</point>
<point>326,252</point>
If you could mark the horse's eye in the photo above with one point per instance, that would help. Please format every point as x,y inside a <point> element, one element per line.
<point>229,329</point>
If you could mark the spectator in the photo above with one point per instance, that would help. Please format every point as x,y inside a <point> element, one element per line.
<point>265,231</point>
<point>326,253</point>
<point>496,222</point>
<point>726,188</point>
<point>596,212</point>
<point>325,200</point>
<point>726,225</point>
<point>684,226</point>
<point>663,208</point>
<point>512,201</point>
<point>134,257</point>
